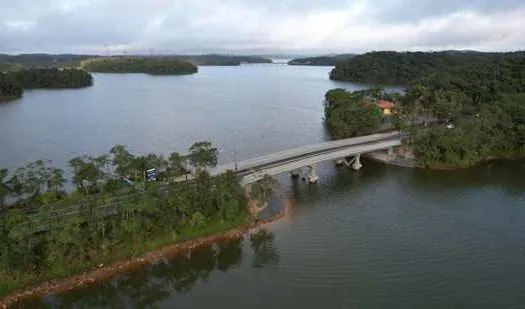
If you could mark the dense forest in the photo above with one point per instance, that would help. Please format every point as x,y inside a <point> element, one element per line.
<point>52,78</point>
<point>114,213</point>
<point>349,114</point>
<point>321,60</point>
<point>479,99</point>
<point>405,67</point>
<point>148,65</point>
<point>10,88</point>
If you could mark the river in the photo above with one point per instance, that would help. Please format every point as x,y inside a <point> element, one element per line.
<point>382,237</point>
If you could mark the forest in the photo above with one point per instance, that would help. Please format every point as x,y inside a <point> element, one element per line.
<point>404,67</point>
<point>350,114</point>
<point>148,65</point>
<point>52,78</point>
<point>114,211</point>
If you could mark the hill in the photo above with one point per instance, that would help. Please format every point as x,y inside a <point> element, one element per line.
<point>404,67</point>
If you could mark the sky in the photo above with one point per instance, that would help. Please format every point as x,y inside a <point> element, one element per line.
<point>304,27</point>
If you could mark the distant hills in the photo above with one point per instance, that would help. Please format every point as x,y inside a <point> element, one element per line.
<point>328,60</point>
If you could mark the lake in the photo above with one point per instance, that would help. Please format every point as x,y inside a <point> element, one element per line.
<point>382,237</point>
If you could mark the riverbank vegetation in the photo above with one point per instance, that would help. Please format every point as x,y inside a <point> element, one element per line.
<point>479,99</point>
<point>148,65</point>
<point>350,114</point>
<point>113,213</point>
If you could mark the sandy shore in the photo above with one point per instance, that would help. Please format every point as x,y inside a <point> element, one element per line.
<point>106,272</point>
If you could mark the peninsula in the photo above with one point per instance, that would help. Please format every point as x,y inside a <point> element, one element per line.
<point>476,97</point>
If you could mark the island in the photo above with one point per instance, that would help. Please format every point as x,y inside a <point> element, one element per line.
<point>470,102</point>
<point>135,64</point>
<point>321,60</point>
<point>10,88</point>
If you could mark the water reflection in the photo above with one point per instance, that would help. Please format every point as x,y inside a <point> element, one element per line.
<point>150,285</point>
<point>264,251</point>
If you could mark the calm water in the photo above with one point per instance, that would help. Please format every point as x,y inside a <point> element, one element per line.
<point>383,237</point>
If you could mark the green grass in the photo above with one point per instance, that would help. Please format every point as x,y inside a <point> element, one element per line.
<point>130,249</point>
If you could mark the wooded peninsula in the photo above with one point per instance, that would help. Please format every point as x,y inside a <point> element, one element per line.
<point>117,210</point>
<point>479,98</point>
<point>13,83</point>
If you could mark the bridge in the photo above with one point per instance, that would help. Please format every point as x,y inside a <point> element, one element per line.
<point>305,157</point>
<point>296,161</point>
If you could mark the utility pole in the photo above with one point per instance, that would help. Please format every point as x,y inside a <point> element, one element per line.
<point>235,158</point>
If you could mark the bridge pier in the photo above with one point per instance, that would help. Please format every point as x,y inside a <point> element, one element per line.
<point>295,172</point>
<point>343,162</point>
<point>356,165</point>
<point>312,176</point>
<point>390,153</point>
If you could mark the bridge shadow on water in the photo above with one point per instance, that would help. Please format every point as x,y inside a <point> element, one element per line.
<point>153,284</point>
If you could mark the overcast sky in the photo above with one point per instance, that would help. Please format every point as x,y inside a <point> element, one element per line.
<point>259,26</point>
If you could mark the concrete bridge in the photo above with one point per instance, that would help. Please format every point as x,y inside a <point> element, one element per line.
<point>296,161</point>
<point>305,157</point>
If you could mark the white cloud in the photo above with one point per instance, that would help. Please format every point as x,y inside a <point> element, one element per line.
<point>187,26</point>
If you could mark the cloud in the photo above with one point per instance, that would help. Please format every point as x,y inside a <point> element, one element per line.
<point>270,26</point>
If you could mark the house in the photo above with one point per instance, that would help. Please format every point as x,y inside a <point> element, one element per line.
<point>387,107</point>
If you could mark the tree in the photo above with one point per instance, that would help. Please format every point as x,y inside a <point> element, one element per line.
<point>176,164</point>
<point>203,155</point>
<point>122,160</point>
<point>88,174</point>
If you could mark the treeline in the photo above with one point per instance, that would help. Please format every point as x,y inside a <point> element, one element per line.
<point>405,67</point>
<point>115,212</point>
<point>148,65</point>
<point>221,60</point>
<point>24,61</point>
<point>349,114</point>
<point>321,60</point>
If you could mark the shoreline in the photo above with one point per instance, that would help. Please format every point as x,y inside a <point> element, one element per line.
<point>98,274</point>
